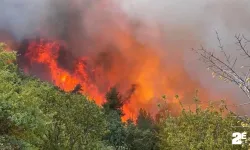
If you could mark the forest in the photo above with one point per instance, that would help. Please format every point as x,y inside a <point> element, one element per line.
<point>35,114</point>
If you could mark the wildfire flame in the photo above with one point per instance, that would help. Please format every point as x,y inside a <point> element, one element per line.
<point>142,81</point>
<point>108,53</point>
<point>47,53</point>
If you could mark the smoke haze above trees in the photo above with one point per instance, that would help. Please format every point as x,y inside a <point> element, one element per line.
<point>172,28</point>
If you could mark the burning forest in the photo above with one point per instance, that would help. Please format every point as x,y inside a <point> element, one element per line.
<point>112,57</point>
<point>93,46</point>
<point>123,74</point>
<point>142,80</point>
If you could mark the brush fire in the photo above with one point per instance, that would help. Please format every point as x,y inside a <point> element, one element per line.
<point>97,47</point>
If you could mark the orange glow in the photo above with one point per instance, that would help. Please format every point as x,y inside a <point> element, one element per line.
<point>151,79</point>
<point>118,57</point>
<point>46,52</point>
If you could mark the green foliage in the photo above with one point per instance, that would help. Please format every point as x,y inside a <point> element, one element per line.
<point>36,115</point>
<point>144,120</point>
<point>201,129</point>
<point>77,123</point>
<point>19,101</point>
<point>116,135</point>
<point>113,101</point>
<point>7,59</point>
<point>113,110</point>
<point>128,135</point>
<point>137,139</point>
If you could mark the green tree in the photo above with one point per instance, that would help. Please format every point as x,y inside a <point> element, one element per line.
<point>19,112</point>
<point>37,115</point>
<point>141,135</point>
<point>117,134</point>
<point>77,122</point>
<point>144,120</point>
<point>113,109</point>
<point>137,138</point>
<point>113,101</point>
<point>200,129</point>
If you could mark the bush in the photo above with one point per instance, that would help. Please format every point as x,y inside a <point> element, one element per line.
<point>200,129</point>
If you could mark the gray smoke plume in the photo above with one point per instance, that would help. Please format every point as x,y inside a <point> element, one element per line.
<point>22,18</point>
<point>184,24</point>
<point>196,21</point>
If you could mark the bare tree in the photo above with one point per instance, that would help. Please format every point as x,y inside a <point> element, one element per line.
<point>225,67</point>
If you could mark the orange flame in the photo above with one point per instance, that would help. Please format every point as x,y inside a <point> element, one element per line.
<point>46,53</point>
<point>118,56</point>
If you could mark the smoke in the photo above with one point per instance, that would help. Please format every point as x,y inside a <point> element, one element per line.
<point>22,18</point>
<point>196,21</point>
<point>121,33</point>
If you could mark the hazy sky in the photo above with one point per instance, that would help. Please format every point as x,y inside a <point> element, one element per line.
<point>201,18</point>
<point>183,21</point>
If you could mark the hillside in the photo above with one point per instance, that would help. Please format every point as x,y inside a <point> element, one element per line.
<point>37,115</point>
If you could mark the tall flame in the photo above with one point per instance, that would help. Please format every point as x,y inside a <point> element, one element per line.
<point>110,51</point>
